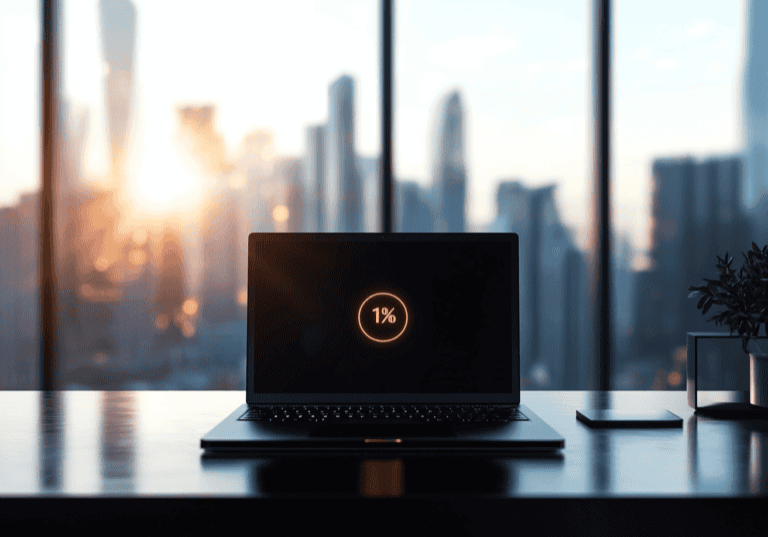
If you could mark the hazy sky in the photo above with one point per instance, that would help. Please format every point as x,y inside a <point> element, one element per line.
<point>522,68</point>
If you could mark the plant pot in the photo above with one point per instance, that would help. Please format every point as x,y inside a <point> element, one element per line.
<point>758,379</point>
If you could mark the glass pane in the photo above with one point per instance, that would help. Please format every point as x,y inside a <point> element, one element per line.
<point>689,101</point>
<point>491,117</point>
<point>20,132</point>
<point>190,124</point>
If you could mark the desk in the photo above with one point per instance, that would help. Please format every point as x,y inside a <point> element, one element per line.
<point>69,455</point>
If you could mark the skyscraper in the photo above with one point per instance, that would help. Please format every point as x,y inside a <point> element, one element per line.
<point>697,215</point>
<point>171,291</point>
<point>343,195</point>
<point>413,212</point>
<point>118,37</point>
<point>290,176</point>
<point>257,164</point>
<point>450,173</point>
<point>314,179</point>
<point>672,235</point>
<point>755,104</point>
<point>19,303</point>
<point>553,345</point>
<point>222,231</point>
<point>197,133</point>
<point>370,172</point>
<point>223,249</point>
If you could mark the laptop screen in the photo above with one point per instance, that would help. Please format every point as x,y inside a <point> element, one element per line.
<point>383,314</point>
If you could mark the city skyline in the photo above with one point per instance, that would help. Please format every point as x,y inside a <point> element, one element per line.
<point>153,243</point>
<point>645,49</point>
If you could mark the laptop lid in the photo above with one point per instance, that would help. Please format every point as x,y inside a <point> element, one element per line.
<point>383,318</point>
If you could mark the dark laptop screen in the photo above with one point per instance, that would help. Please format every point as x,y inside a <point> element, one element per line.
<point>383,316</point>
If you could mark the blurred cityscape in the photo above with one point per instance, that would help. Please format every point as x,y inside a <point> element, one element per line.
<point>131,317</point>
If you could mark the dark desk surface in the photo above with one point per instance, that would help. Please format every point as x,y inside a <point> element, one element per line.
<point>146,444</point>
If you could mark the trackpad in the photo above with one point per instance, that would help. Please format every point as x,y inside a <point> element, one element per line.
<point>385,430</point>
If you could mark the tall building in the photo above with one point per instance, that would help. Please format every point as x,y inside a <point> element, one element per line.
<point>222,230</point>
<point>118,42</point>
<point>314,179</point>
<point>673,235</point>
<point>198,134</point>
<point>19,302</point>
<point>573,369</point>
<point>450,173</point>
<point>697,215</point>
<point>289,172</point>
<point>755,104</point>
<point>223,249</point>
<point>343,194</point>
<point>135,312</point>
<point>553,343</point>
<point>413,214</point>
<point>73,133</point>
<point>171,291</point>
<point>256,163</point>
<point>370,173</point>
<point>222,330</point>
<point>622,297</point>
<point>95,266</point>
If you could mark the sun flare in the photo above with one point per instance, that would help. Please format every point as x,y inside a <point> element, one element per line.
<point>165,184</point>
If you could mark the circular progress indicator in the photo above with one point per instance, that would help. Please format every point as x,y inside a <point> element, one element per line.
<point>382,317</point>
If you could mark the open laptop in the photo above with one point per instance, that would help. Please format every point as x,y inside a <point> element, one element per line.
<point>405,342</point>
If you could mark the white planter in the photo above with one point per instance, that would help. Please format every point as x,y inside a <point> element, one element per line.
<point>758,379</point>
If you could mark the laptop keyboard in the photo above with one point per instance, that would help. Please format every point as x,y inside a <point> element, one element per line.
<point>383,413</point>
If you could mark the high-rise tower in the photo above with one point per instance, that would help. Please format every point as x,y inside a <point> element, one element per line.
<point>314,179</point>
<point>552,275</point>
<point>413,213</point>
<point>343,203</point>
<point>171,290</point>
<point>755,104</point>
<point>450,173</point>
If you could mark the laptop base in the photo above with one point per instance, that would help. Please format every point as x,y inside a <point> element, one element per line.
<point>233,436</point>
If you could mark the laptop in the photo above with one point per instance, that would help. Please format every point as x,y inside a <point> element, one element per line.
<point>373,341</point>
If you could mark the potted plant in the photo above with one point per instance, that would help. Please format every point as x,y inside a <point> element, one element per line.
<point>743,296</point>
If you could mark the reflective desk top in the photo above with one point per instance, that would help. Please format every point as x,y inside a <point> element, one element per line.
<point>147,444</point>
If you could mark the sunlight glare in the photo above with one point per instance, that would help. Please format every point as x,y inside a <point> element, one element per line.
<point>166,184</point>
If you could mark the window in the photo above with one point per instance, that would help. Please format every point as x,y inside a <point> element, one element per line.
<point>20,136</point>
<point>183,127</point>
<point>186,128</point>
<point>490,114</point>
<point>683,80</point>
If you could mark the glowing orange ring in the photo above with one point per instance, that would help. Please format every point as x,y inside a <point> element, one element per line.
<point>360,322</point>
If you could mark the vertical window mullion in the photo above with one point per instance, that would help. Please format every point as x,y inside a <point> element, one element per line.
<point>50,86</point>
<point>600,244</point>
<point>386,114</point>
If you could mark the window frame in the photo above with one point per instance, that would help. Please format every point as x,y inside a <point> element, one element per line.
<point>600,227</point>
